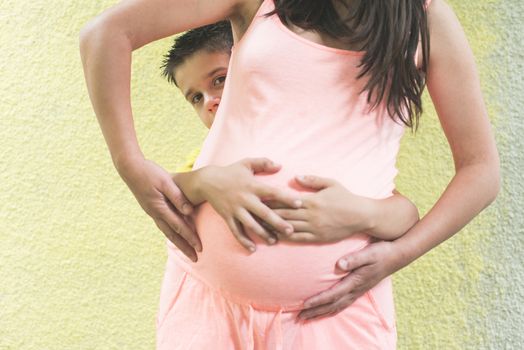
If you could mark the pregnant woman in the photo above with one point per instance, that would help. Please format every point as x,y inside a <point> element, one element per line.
<point>325,89</point>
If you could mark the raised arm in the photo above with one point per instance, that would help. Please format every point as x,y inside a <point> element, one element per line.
<point>106,44</point>
<point>454,87</point>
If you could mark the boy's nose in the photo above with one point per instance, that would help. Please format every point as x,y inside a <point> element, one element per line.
<point>212,104</point>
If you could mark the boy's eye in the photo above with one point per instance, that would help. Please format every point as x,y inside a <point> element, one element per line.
<point>219,80</point>
<point>196,98</point>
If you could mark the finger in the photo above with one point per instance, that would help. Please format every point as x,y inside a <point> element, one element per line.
<point>261,165</point>
<point>267,215</point>
<point>342,288</point>
<point>180,226</point>
<point>239,234</point>
<point>269,193</point>
<point>250,224</point>
<point>273,204</point>
<point>328,309</point>
<point>267,227</point>
<point>177,198</point>
<point>291,214</point>
<point>301,227</point>
<point>355,260</point>
<point>177,240</point>
<point>323,310</point>
<point>315,182</point>
<point>299,237</point>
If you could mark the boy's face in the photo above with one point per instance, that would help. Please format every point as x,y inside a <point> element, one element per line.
<point>201,79</point>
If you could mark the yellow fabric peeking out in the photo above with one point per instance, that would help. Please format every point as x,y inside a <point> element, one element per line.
<point>190,160</point>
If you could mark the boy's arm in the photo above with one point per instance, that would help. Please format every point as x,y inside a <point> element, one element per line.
<point>190,183</point>
<point>235,194</point>
<point>333,213</point>
<point>393,217</point>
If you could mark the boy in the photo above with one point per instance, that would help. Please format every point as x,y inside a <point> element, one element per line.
<point>197,64</point>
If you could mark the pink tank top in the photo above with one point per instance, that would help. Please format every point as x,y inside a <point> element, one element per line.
<point>298,103</point>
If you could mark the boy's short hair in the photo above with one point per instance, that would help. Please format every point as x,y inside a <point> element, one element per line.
<point>216,37</point>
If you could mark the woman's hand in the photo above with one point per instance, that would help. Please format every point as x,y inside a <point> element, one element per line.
<point>328,215</point>
<point>238,197</point>
<point>159,196</point>
<point>366,268</point>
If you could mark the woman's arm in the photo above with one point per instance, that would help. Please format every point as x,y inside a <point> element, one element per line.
<point>454,87</point>
<point>106,44</point>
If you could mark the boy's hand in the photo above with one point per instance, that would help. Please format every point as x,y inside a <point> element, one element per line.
<point>328,215</point>
<point>238,197</point>
<point>161,199</point>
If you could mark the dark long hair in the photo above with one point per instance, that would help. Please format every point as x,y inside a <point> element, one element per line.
<point>389,32</point>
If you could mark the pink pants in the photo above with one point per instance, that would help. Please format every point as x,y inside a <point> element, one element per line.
<point>194,315</point>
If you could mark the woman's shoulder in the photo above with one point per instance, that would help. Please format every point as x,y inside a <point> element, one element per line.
<point>444,26</point>
<point>441,18</point>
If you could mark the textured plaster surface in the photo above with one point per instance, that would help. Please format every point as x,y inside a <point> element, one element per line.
<point>467,293</point>
<point>81,264</point>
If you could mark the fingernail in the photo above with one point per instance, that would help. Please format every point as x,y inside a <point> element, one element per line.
<point>252,249</point>
<point>343,264</point>
<point>289,230</point>
<point>301,177</point>
<point>272,240</point>
<point>297,203</point>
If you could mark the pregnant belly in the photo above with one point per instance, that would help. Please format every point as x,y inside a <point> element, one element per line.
<point>273,277</point>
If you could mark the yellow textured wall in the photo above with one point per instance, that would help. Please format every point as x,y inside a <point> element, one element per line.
<point>81,264</point>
